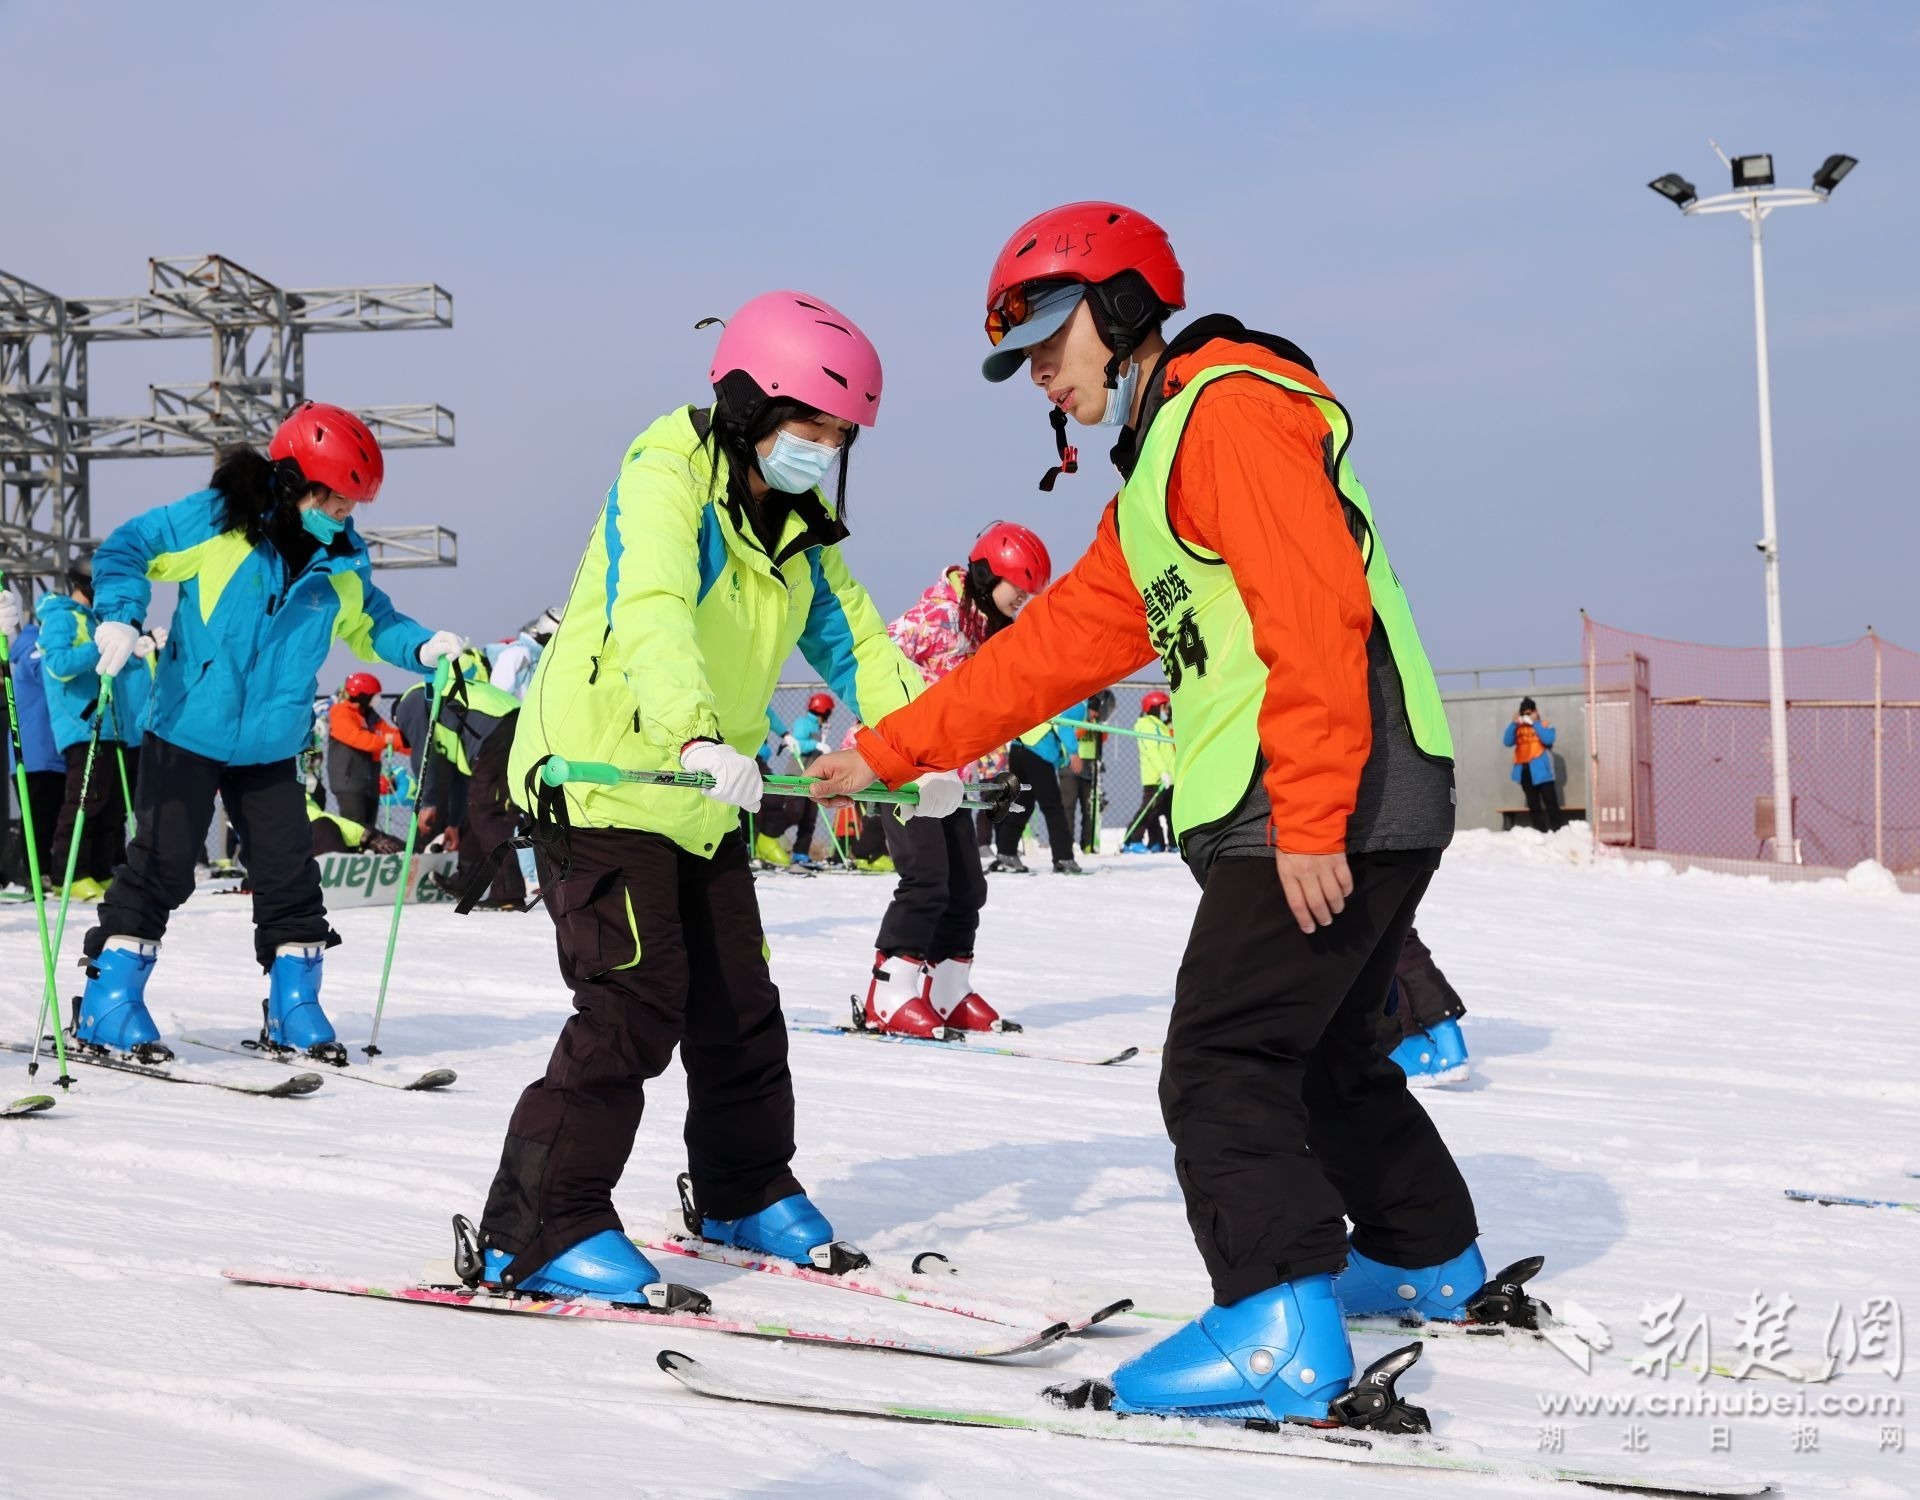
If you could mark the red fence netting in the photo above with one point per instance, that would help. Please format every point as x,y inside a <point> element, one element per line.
<point>1682,748</point>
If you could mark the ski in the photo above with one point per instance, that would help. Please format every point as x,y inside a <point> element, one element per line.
<point>33,1104</point>
<point>1019,1341</point>
<point>287,1088</point>
<point>964,1042</point>
<point>1343,1445</point>
<point>1842,1200</point>
<point>873,1281</point>
<point>433,1078</point>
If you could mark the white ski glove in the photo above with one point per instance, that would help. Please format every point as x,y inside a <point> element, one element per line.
<point>116,643</point>
<point>1166,778</point>
<point>9,615</point>
<point>145,647</point>
<point>736,777</point>
<point>940,795</point>
<point>440,644</point>
<point>159,634</point>
<point>792,747</point>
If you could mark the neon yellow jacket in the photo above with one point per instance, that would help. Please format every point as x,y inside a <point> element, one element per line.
<point>677,627</point>
<point>1156,756</point>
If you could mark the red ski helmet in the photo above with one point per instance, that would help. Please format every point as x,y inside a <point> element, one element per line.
<point>1091,243</point>
<point>821,704</point>
<point>332,447</point>
<point>362,685</point>
<point>1015,554</point>
<point>1154,701</point>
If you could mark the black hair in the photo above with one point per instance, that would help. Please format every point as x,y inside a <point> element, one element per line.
<point>263,498</point>
<point>743,414</point>
<point>979,591</point>
<point>79,576</point>
<point>1528,706</point>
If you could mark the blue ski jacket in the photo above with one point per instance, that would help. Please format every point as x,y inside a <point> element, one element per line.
<point>241,666</point>
<point>30,703</point>
<point>69,661</point>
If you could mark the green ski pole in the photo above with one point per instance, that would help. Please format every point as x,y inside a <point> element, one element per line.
<point>33,853</point>
<point>50,1001</point>
<point>995,796</point>
<point>1085,727</point>
<point>120,754</point>
<point>442,674</point>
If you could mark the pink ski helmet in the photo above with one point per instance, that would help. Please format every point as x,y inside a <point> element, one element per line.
<point>797,348</point>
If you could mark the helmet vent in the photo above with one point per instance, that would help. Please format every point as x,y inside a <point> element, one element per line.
<point>1026,247</point>
<point>836,327</point>
<point>837,376</point>
<point>1113,218</point>
<point>809,306</point>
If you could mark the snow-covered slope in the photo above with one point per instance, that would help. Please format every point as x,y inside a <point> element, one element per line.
<point>1656,1058</point>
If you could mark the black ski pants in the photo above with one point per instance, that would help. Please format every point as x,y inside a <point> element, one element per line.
<point>1422,997</point>
<point>1154,822</point>
<point>1285,1116</point>
<point>103,831</point>
<point>661,948</point>
<point>1043,781</point>
<point>492,819</point>
<point>359,804</point>
<point>173,806</point>
<point>936,906</point>
<point>46,790</point>
<point>1543,803</point>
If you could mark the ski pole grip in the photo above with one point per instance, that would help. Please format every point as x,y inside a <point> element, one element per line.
<point>558,771</point>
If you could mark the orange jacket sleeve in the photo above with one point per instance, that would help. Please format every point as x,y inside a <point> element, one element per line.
<point>345,725</point>
<point>1085,632</point>
<point>1250,483</point>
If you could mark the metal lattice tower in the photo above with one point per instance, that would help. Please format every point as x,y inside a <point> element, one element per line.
<point>258,331</point>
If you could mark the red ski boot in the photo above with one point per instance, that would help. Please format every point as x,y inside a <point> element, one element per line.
<point>954,1000</point>
<point>897,998</point>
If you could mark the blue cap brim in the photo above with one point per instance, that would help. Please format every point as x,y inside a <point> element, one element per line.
<point>1049,316</point>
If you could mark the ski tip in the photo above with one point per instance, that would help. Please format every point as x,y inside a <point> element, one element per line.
<point>434,1078</point>
<point>673,1361</point>
<point>294,1087</point>
<point>1111,1310</point>
<point>33,1104</point>
<point>1051,1335</point>
<point>1127,1055</point>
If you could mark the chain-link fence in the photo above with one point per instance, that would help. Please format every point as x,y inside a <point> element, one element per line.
<point>1682,749</point>
<point>1118,756</point>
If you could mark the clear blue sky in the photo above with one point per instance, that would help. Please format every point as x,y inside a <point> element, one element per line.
<point>1551,371</point>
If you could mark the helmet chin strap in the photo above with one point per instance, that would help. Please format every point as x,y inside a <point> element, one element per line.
<point>1069,455</point>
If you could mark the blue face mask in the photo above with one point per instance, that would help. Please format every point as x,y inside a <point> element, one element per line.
<point>321,526</point>
<point>1120,398</point>
<point>796,465</point>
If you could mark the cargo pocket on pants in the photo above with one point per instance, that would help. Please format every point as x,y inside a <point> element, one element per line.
<point>593,915</point>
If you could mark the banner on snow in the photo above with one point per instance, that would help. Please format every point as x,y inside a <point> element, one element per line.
<point>369,879</point>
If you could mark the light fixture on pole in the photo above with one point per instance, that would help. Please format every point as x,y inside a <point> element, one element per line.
<point>1754,196</point>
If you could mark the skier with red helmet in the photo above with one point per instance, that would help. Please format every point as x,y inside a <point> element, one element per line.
<point>1313,795</point>
<point>806,740</point>
<point>922,976</point>
<point>357,738</point>
<point>1155,747</point>
<point>271,575</point>
<point>716,553</point>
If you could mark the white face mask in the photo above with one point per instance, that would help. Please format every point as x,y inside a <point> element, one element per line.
<point>796,464</point>
<point>1120,398</point>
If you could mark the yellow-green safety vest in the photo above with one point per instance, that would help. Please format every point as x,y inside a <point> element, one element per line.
<point>1200,625</point>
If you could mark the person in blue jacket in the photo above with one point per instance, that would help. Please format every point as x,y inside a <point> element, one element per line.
<point>46,768</point>
<point>69,658</point>
<point>1037,758</point>
<point>1530,737</point>
<point>271,573</point>
<point>806,743</point>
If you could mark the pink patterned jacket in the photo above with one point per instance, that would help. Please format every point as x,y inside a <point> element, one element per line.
<point>939,633</point>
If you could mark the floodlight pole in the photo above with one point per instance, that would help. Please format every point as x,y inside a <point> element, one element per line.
<point>1754,206</point>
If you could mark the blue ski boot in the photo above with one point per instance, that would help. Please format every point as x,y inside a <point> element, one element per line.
<point>294,1021</point>
<point>604,1267</point>
<point>112,1014</point>
<point>1276,1356</point>
<point>791,1229</point>
<point>1436,1055</point>
<point>1455,1291</point>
